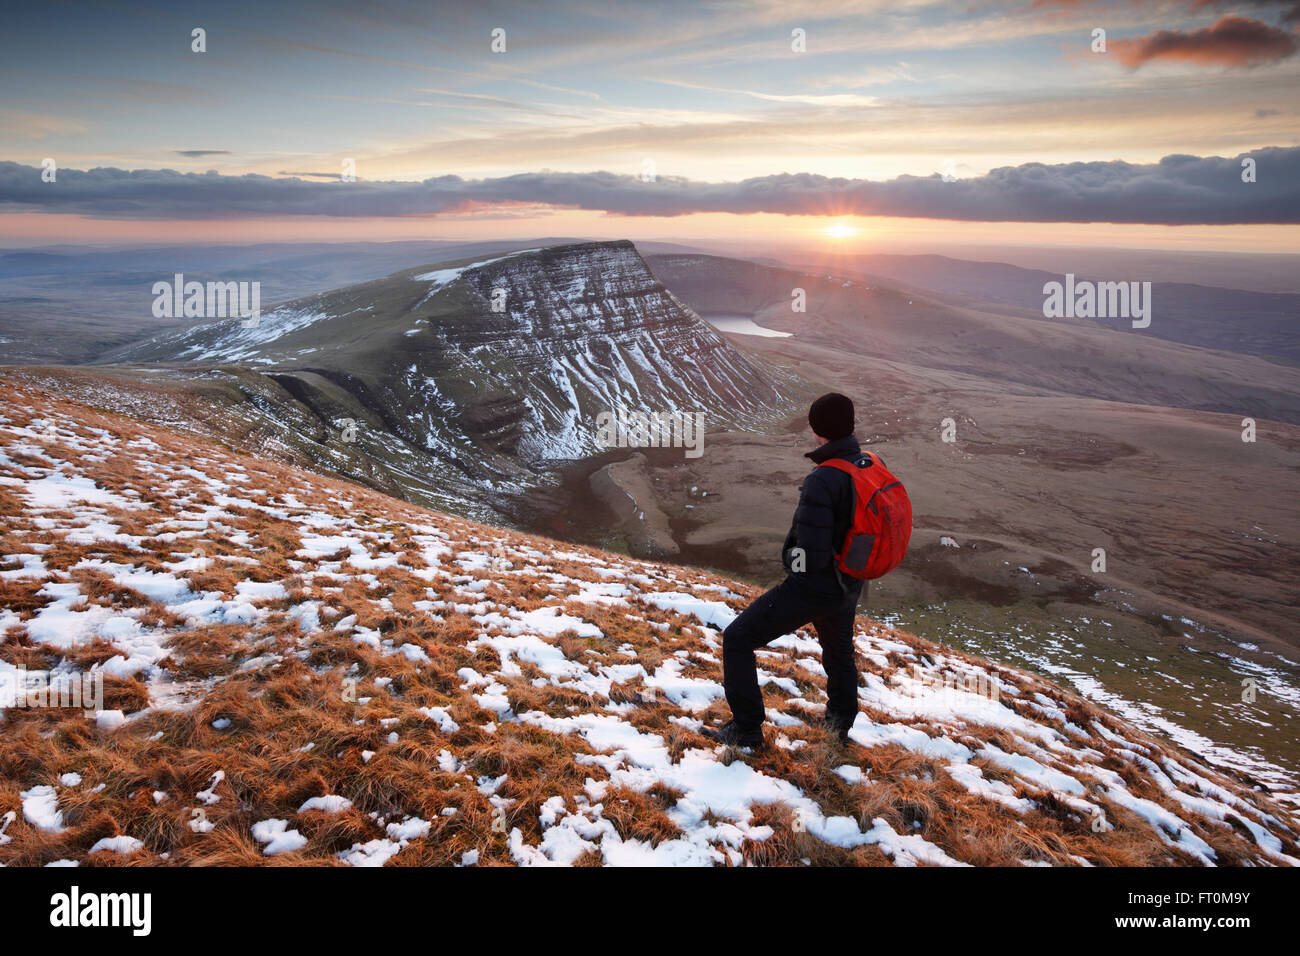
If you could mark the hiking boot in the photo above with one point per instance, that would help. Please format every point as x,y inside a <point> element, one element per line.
<point>731,735</point>
<point>839,726</point>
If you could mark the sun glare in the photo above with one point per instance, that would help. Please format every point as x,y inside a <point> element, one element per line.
<point>839,230</point>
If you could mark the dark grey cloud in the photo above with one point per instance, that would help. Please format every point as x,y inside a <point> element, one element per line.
<point>198,153</point>
<point>1178,190</point>
<point>1288,11</point>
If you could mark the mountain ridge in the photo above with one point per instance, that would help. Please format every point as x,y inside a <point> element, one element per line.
<point>479,373</point>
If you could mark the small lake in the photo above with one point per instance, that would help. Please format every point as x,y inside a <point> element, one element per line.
<point>741,325</point>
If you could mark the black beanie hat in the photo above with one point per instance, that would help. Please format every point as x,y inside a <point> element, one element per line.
<point>831,416</point>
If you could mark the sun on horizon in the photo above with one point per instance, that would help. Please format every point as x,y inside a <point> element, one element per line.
<point>840,230</point>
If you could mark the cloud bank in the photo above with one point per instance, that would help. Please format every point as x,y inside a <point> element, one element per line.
<point>1178,190</point>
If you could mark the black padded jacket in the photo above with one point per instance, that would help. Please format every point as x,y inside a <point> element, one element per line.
<point>820,523</point>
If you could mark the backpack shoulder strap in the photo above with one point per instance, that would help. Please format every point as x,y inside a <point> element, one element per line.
<point>849,467</point>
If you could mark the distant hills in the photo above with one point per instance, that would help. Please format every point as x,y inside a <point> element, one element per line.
<point>883,319</point>
<point>1266,324</point>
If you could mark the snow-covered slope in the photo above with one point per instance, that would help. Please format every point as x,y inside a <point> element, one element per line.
<point>301,669</point>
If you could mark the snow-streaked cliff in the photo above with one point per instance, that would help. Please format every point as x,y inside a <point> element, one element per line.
<point>503,360</point>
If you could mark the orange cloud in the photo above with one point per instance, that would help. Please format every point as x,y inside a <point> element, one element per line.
<point>1231,42</point>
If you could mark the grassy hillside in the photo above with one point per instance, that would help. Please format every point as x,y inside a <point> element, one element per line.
<point>298,670</point>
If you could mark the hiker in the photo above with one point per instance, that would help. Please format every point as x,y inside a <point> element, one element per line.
<point>824,580</point>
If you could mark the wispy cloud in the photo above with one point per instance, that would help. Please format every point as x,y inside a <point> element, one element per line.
<point>37,125</point>
<point>1287,11</point>
<point>809,99</point>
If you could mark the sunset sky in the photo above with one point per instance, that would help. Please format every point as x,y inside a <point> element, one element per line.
<point>1041,139</point>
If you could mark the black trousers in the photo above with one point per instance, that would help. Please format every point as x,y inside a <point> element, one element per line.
<point>783,609</point>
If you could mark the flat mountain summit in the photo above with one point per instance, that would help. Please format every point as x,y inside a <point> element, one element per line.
<point>295,669</point>
<point>466,377</point>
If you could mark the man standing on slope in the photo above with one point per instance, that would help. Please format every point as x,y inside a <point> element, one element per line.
<point>814,590</point>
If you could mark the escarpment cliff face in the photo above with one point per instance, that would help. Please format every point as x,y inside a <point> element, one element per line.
<point>584,329</point>
<point>532,347</point>
<point>469,377</point>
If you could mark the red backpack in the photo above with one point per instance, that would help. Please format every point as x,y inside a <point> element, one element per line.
<point>882,519</point>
